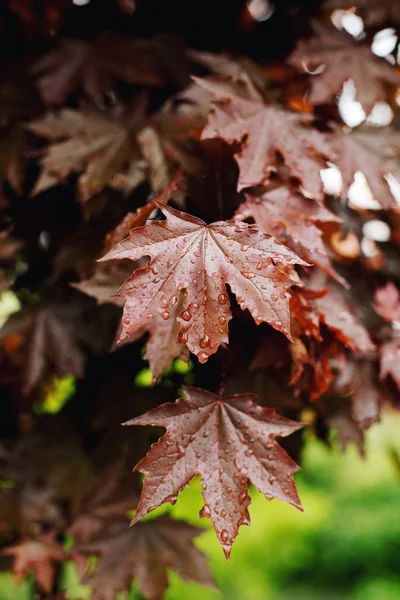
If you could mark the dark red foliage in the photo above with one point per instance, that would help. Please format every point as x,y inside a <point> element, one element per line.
<point>164,197</point>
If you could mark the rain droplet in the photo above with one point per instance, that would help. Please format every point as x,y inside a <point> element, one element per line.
<point>186,316</point>
<point>205,434</point>
<point>183,337</point>
<point>163,303</point>
<point>223,513</point>
<point>222,298</point>
<point>203,357</point>
<point>274,297</point>
<point>224,535</point>
<point>205,511</point>
<point>204,342</point>
<point>249,452</point>
<point>173,300</point>
<point>222,320</point>
<point>127,320</point>
<point>165,316</point>
<point>194,306</point>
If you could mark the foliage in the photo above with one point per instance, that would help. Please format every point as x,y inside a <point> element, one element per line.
<point>157,189</point>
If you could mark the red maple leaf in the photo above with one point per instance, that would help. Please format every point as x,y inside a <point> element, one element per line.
<point>293,219</point>
<point>336,313</point>
<point>375,153</point>
<point>226,441</point>
<point>340,59</point>
<point>240,115</point>
<point>38,555</point>
<point>186,254</point>
<point>144,553</point>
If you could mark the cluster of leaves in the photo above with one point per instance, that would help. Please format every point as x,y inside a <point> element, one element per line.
<point>160,195</point>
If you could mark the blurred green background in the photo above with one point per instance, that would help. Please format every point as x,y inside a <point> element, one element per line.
<point>345,546</point>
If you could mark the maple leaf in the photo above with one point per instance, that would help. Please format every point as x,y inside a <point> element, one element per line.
<point>145,553</point>
<point>226,441</point>
<point>94,66</point>
<point>86,143</point>
<point>291,218</point>
<point>373,13</point>
<point>240,115</point>
<point>341,59</point>
<point>375,153</point>
<point>37,555</point>
<point>186,254</point>
<point>49,337</point>
<point>387,302</point>
<point>337,314</point>
<point>104,501</point>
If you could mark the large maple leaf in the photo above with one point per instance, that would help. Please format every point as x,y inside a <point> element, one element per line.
<point>87,143</point>
<point>342,59</point>
<point>186,254</point>
<point>226,441</point>
<point>291,218</point>
<point>375,153</point>
<point>240,115</point>
<point>95,66</point>
<point>38,555</point>
<point>145,553</point>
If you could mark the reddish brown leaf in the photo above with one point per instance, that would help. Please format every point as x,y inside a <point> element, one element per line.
<point>145,552</point>
<point>37,555</point>
<point>336,313</point>
<point>49,340</point>
<point>291,218</point>
<point>311,371</point>
<point>372,152</point>
<point>225,440</point>
<point>94,67</point>
<point>86,143</point>
<point>305,319</point>
<point>387,302</point>
<point>201,259</point>
<point>104,501</point>
<point>341,59</point>
<point>240,115</point>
